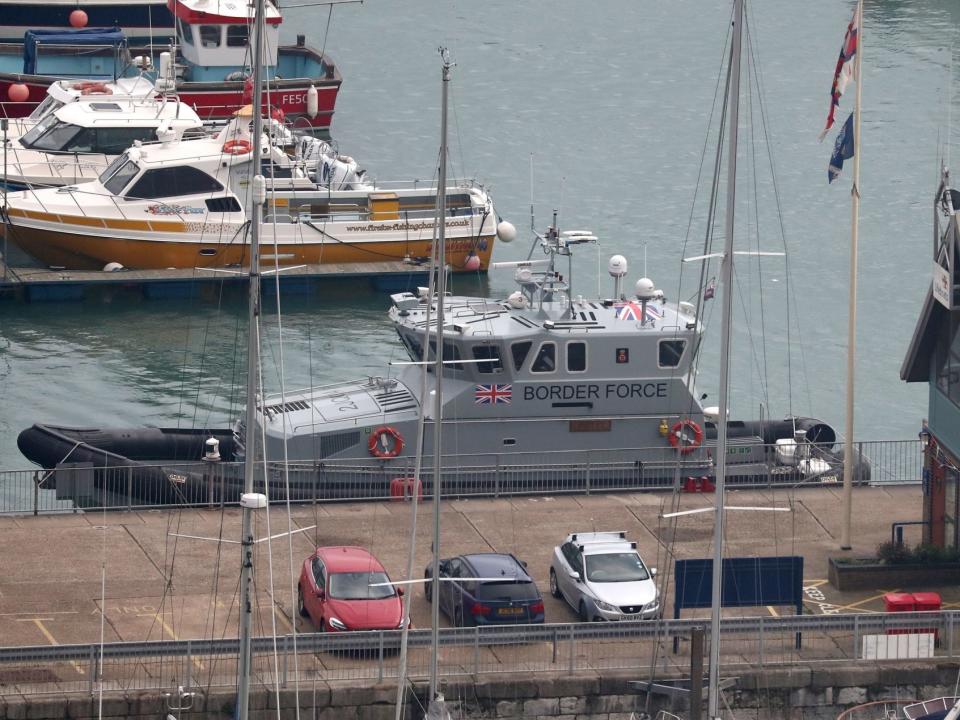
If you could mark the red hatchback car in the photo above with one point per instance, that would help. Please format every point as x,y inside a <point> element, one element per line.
<point>342,588</point>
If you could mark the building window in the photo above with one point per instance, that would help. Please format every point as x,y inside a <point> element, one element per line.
<point>948,374</point>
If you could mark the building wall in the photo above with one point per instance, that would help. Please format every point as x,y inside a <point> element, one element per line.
<point>941,478</point>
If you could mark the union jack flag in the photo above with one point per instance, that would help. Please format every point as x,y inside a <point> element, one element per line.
<point>845,68</point>
<point>634,311</point>
<point>493,394</point>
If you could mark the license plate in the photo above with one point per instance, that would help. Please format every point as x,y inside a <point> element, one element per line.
<point>510,611</point>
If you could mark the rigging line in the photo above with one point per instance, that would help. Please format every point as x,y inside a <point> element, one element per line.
<point>323,51</point>
<point>286,463</point>
<point>753,71</point>
<point>789,290</point>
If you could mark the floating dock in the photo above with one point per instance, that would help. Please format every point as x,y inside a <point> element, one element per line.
<point>34,284</point>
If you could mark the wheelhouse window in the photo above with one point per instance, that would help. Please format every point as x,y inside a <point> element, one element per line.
<point>670,352</point>
<point>119,174</point>
<point>172,182</point>
<point>223,204</point>
<point>546,359</point>
<point>237,35</point>
<point>186,32</point>
<point>413,346</point>
<point>55,136</point>
<point>49,105</point>
<point>490,354</point>
<point>576,357</point>
<point>210,36</point>
<point>520,350</point>
<point>451,356</point>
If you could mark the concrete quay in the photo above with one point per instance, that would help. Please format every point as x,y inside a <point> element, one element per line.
<point>161,585</point>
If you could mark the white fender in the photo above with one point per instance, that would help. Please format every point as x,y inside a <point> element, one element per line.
<point>313,102</point>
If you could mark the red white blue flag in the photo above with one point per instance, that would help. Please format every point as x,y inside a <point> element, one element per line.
<point>634,311</point>
<point>493,394</point>
<point>845,68</point>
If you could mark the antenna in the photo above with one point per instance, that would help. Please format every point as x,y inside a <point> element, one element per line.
<point>949,105</point>
<point>533,226</point>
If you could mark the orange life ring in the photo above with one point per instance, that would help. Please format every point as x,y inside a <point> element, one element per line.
<point>237,147</point>
<point>681,440</point>
<point>379,449</point>
<point>95,89</point>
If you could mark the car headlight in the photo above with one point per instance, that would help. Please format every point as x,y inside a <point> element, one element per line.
<point>403,621</point>
<point>337,624</point>
<point>606,607</point>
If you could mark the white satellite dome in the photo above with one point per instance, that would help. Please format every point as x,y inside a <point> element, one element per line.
<point>517,300</point>
<point>645,289</point>
<point>617,266</point>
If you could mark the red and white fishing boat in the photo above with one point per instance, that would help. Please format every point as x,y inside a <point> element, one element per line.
<point>208,68</point>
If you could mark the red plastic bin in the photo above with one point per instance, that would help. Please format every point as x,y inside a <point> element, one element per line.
<point>927,601</point>
<point>402,488</point>
<point>898,602</point>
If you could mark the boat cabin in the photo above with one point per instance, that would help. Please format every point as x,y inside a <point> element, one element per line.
<point>215,35</point>
<point>934,358</point>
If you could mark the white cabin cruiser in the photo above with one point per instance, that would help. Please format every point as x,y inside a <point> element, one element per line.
<point>544,391</point>
<point>182,204</point>
<point>75,142</point>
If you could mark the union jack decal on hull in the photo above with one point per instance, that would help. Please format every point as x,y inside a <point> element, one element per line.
<point>493,394</point>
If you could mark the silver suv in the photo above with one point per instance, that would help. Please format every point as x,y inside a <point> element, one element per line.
<point>603,577</point>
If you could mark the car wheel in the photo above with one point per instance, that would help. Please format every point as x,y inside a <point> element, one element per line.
<point>301,607</point>
<point>584,614</point>
<point>460,618</point>
<point>554,586</point>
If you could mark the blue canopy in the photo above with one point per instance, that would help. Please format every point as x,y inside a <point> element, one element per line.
<point>85,36</point>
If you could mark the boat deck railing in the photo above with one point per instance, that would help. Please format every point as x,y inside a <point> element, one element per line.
<point>877,640</point>
<point>82,487</point>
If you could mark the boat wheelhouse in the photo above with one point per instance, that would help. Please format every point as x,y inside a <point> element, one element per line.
<point>77,141</point>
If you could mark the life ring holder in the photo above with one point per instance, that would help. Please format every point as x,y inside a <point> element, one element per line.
<point>377,449</point>
<point>682,441</point>
<point>237,147</point>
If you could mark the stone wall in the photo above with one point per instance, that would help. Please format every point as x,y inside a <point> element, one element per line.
<point>807,692</point>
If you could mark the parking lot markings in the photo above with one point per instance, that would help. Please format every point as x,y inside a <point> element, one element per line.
<point>856,605</point>
<point>163,623</point>
<point>49,636</point>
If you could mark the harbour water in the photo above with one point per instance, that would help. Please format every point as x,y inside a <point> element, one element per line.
<point>598,110</point>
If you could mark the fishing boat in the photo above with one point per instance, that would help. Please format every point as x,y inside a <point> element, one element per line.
<point>184,204</point>
<point>77,141</point>
<point>208,66</point>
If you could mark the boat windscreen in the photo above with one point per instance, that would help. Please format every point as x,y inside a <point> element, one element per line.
<point>121,171</point>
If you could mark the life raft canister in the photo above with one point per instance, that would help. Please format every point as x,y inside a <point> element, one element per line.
<point>385,442</point>
<point>686,436</point>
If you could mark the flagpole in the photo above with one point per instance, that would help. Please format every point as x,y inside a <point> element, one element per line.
<point>848,459</point>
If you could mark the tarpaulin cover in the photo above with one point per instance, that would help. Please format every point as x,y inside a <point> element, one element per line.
<point>85,36</point>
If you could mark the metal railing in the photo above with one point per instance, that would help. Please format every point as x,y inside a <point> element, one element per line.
<point>73,488</point>
<point>645,647</point>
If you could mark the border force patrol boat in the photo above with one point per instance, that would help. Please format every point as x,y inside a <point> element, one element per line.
<point>544,391</point>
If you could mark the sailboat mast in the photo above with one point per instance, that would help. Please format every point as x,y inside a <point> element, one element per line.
<point>726,283</point>
<point>441,270</point>
<point>253,368</point>
<point>848,459</point>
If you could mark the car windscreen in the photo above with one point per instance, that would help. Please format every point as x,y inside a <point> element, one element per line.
<point>615,567</point>
<point>360,586</point>
<point>510,591</point>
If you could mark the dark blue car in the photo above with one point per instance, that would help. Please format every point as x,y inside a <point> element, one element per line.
<point>487,589</point>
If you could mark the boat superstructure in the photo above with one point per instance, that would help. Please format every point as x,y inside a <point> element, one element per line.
<point>208,65</point>
<point>182,204</point>
<point>143,20</point>
<point>77,141</point>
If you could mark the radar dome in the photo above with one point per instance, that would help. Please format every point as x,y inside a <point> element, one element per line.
<point>645,289</point>
<point>506,231</point>
<point>517,300</point>
<point>617,266</point>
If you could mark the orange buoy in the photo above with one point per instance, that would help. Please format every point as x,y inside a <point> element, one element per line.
<point>18,92</point>
<point>78,18</point>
